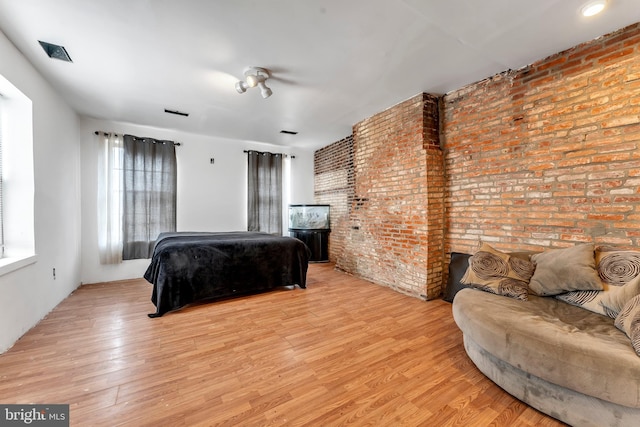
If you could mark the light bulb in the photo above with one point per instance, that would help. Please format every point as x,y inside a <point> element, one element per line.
<point>252,80</point>
<point>265,91</point>
<point>241,87</point>
<point>593,7</point>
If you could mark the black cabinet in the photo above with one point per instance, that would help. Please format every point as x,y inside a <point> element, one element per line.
<point>310,223</point>
<point>316,240</point>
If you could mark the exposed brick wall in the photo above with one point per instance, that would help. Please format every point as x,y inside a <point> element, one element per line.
<point>545,156</point>
<point>334,185</point>
<point>392,232</point>
<point>549,155</point>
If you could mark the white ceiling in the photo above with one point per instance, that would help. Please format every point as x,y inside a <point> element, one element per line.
<point>334,62</point>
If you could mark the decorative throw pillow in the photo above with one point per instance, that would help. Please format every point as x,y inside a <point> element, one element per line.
<point>589,300</point>
<point>628,321</point>
<point>497,272</point>
<point>616,267</point>
<point>457,267</point>
<point>565,270</point>
<point>617,296</point>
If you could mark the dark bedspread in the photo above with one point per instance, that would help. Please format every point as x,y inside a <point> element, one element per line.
<point>189,267</point>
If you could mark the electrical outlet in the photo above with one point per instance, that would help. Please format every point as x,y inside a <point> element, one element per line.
<point>54,273</point>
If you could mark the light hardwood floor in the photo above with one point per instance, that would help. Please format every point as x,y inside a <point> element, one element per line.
<point>341,352</point>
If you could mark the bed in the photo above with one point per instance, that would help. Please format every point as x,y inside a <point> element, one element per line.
<point>189,267</point>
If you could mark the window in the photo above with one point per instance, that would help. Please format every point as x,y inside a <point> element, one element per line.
<point>16,178</point>
<point>149,194</point>
<point>136,195</point>
<point>264,204</point>
<point>110,198</point>
<point>1,185</point>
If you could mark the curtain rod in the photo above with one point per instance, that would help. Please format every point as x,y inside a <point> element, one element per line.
<point>137,137</point>
<point>265,152</point>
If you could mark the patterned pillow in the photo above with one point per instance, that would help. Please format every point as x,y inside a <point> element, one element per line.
<point>497,272</point>
<point>628,321</point>
<point>615,268</point>
<point>589,300</point>
<point>564,270</point>
<point>615,299</point>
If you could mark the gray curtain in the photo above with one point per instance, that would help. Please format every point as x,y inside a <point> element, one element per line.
<point>265,192</point>
<point>149,187</point>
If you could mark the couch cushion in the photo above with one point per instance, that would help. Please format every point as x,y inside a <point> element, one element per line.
<point>564,270</point>
<point>560,343</point>
<point>500,273</point>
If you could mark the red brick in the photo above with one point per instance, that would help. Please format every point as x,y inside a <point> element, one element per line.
<point>590,134</point>
<point>534,158</point>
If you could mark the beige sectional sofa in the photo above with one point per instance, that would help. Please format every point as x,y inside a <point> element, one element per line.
<point>571,360</point>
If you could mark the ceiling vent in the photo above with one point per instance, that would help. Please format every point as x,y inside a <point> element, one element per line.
<point>55,51</point>
<point>176,112</point>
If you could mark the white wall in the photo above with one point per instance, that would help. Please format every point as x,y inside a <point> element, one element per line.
<point>29,293</point>
<point>211,197</point>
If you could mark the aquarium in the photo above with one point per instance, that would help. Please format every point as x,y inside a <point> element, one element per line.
<point>308,217</point>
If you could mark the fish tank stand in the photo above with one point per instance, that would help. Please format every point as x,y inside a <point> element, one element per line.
<point>311,225</point>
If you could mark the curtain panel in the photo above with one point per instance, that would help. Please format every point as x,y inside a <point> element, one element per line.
<point>149,194</point>
<point>109,198</point>
<point>264,204</point>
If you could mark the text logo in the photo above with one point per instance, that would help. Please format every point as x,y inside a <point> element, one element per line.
<point>34,415</point>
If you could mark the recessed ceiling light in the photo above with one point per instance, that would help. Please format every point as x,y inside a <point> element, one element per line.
<point>593,7</point>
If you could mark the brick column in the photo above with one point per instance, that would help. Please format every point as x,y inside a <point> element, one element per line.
<point>392,186</point>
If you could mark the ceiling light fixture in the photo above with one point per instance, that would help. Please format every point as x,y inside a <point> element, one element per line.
<point>593,7</point>
<point>255,76</point>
